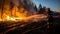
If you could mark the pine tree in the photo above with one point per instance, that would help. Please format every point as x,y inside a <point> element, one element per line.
<point>40,6</point>
<point>11,6</point>
<point>3,1</point>
<point>40,9</point>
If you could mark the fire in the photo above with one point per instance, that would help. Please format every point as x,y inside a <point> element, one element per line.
<point>9,18</point>
<point>31,18</point>
<point>14,19</point>
<point>13,15</point>
<point>20,14</point>
<point>0,19</point>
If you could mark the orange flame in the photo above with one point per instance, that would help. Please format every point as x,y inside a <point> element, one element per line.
<point>19,14</point>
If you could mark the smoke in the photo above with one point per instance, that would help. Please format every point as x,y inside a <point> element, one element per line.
<point>20,9</point>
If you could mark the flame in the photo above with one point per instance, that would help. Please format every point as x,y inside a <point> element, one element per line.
<point>16,14</point>
<point>0,19</point>
<point>9,18</point>
<point>21,18</point>
<point>20,14</point>
<point>14,19</point>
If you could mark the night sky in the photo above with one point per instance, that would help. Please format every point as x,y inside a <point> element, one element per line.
<point>53,4</point>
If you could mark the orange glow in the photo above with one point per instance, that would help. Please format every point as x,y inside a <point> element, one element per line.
<point>19,15</point>
<point>32,18</point>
